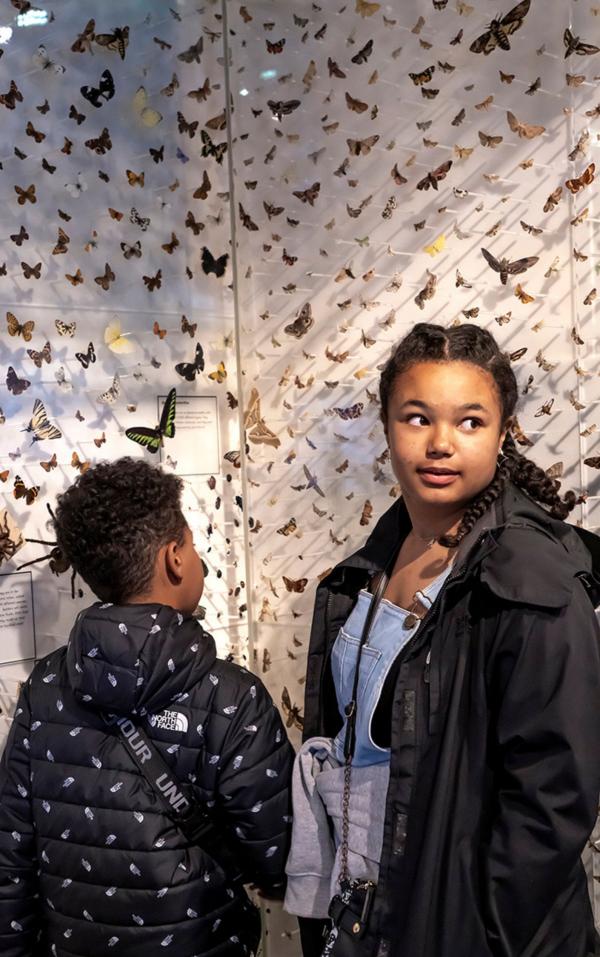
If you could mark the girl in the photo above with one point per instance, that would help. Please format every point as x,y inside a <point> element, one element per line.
<point>475,741</point>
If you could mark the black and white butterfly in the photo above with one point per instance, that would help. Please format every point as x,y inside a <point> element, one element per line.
<point>189,370</point>
<point>86,358</point>
<point>500,29</point>
<point>40,426</point>
<point>103,92</point>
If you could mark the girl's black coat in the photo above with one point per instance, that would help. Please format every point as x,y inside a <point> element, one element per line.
<point>88,857</point>
<point>495,736</point>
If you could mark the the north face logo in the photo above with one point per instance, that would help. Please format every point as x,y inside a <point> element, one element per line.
<point>170,721</point>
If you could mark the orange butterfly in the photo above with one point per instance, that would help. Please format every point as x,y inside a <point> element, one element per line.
<point>38,136</point>
<point>161,333</point>
<point>115,214</point>
<point>134,179</point>
<point>78,464</point>
<point>523,296</point>
<point>579,182</point>
<point>50,464</point>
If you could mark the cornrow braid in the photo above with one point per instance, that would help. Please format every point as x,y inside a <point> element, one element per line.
<point>427,342</point>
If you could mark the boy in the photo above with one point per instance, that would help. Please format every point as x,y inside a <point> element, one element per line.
<point>91,862</point>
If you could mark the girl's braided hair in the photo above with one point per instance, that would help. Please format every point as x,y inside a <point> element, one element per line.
<point>427,342</point>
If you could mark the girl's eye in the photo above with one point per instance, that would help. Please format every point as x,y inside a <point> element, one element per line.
<point>416,415</point>
<point>475,423</point>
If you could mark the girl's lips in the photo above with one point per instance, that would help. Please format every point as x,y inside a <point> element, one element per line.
<point>437,477</point>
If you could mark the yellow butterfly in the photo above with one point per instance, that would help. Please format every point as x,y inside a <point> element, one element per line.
<point>134,179</point>
<point>147,115</point>
<point>220,373</point>
<point>436,246</point>
<point>366,9</point>
<point>115,340</point>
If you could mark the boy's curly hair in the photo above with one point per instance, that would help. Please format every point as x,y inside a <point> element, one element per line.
<point>111,522</point>
<point>427,342</point>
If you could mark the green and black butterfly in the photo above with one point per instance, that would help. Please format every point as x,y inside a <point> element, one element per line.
<point>152,439</point>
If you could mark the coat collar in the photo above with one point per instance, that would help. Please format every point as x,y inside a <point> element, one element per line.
<point>524,554</point>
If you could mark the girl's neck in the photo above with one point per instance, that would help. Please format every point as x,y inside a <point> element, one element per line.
<point>428,525</point>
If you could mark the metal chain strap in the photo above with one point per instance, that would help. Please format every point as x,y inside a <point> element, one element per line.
<point>343,876</point>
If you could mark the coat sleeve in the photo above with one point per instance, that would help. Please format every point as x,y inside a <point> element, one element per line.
<point>19,892</point>
<point>544,683</point>
<point>255,785</point>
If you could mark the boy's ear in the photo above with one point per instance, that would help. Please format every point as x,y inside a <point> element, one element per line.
<point>173,562</point>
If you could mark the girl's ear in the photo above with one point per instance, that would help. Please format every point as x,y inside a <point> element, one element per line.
<point>505,430</point>
<point>173,562</point>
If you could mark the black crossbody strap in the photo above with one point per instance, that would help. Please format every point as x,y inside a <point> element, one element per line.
<point>194,820</point>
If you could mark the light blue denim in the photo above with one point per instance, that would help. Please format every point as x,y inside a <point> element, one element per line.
<point>387,638</point>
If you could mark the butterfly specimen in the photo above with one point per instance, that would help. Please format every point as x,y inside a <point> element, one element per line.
<point>553,199</point>
<point>205,187</point>
<point>112,393</point>
<point>303,322</point>
<point>192,223</point>
<point>189,327</point>
<point>44,355</point>
<point>219,375</point>
<point>349,412</point>
<point>118,40</point>
<point>65,328</point>
<point>157,155</point>
<point>12,97</point>
<point>171,87</point>
<point>20,490</point>
<point>85,39</point>
<point>523,130</point>
<point>102,93</point>
<point>281,108</point>
<point>362,147</point>
<point>308,195</point>
<point>37,135</point>
<point>14,384</point>
<point>75,279</point>
<point>50,464</point>
<point>15,328</point>
<point>580,182</point>
<point>523,296</point>
<point>246,219</point>
<point>156,329</point>
<point>142,221</point>
<point>293,712</point>
<point>40,426</point>
<point>78,464</point>
<point>428,291</point>
<point>29,272</point>
<point>153,282</point>
<point>115,340</point>
<point>193,53</point>
<point>147,115</point>
<point>189,370</point>
<point>88,357</point>
<point>152,439</point>
<point>491,141</point>
<point>435,176</point>
<point>75,115</point>
<point>23,195</point>
<point>131,251</point>
<point>62,242</point>
<point>105,280</point>
<point>210,264</point>
<point>171,246</point>
<point>500,29</point>
<point>100,144</point>
<point>209,148</point>
<point>44,61</point>
<point>507,268</point>
<point>134,179</point>
<point>576,45</point>
<point>186,127</point>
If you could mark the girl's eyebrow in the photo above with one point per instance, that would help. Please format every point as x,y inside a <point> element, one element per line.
<point>468,406</point>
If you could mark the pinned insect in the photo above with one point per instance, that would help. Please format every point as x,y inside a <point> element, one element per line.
<point>58,561</point>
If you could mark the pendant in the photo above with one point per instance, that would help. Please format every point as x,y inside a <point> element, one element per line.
<point>410,621</point>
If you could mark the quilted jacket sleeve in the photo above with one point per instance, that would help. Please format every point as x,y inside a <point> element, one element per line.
<point>255,785</point>
<point>19,907</point>
<point>545,694</point>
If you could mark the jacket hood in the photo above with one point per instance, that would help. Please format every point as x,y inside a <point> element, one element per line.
<point>133,659</point>
<point>527,555</point>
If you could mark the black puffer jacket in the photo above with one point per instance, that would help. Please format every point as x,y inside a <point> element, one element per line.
<point>494,717</point>
<point>89,862</point>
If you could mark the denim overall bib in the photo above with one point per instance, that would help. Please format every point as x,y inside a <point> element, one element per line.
<point>386,639</point>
